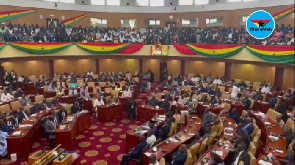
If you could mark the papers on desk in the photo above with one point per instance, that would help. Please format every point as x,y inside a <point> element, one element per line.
<point>148,154</point>
<point>34,114</point>
<point>17,133</point>
<point>172,140</point>
<point>229,128</point>
<point>220,153</point>
<point>191,134</point>
<point>160,118</point>
<point>279,151</point>
<point>62,126</point>
<point>25,125</point>
<point>194,117</point>
<point>228,134</point>
<point>267,123</point>
<point>143,131</point>
<point>273,137</point>
<point>262,162</point>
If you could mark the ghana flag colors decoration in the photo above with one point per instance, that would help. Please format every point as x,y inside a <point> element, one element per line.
<point>280,15</point>
<point>73,20</point>
<point>210,51</point>
<point>273,54</point>
<point>40,48</point>
<point>110,48</point>
<point>13,14</point>
<point>2,45</point>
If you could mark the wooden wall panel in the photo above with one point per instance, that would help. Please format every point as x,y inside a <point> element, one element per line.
<point>36,68</point>
<point>118,65</point>
<point>70,65</point>
<point>288,81</point>
<point>153,65</point>
<point>230,18</point>
<point>252,73</point>
<point>173,66</point>
<point>205,68</point>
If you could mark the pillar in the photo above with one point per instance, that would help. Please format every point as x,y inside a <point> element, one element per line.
<point>279,77</point>
<point>227,71</point>
<point>97,66</point>
<point>182,67</point>
<point>51,68</point>
<point>140,65</point>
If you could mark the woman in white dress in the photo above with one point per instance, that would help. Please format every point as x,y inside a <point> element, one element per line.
<point>235,91</point>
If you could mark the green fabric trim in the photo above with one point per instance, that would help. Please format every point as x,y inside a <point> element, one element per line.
<point>2,47</point>
<point>5,19</point>
<point>273,59</point>
<point>76,21</point>
<point>41,51</point>
<point>226,55</point>
<point>102,52</point>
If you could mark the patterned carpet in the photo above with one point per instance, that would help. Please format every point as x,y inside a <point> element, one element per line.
<point>101,144</point>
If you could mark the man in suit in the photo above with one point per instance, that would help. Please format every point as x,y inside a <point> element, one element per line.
<point>23,115</point>
<point>282,109</point>
<point>258,96</point>
<point>54,101</point>
<point>165,105</point>
<point>18,93</point>
<point>62,114</point>
<point>272,101</point>
<point>75,108</point>
<point>249,126</point>
<point>234,115</point>
<point>179,157</point>
<point>247,102</point>
<point>242,136</point>
<point>135,153</point>
<point>24,101</point>
<point>3,126</point>
<point>35,108</point>
<point>131,106</point>
<point>13,121</point>
<point>50,127</point>
<point>239,154</point>
<point>156,130</point>
<point>39,84</point>
<point>153,101</point>
<point>165,129</point>
<point>197,139</point>
<point>175,92</point>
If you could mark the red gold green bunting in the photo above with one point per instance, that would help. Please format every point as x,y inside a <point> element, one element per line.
<point>73,20</point>
<point>215,51</point>
<point>110,48</point>
<point>280,15</point>
<point>13,14</point>
<point>40,48</point>
<point>2,45</point>
<point>273,54</point>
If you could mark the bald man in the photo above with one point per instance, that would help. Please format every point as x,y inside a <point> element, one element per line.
<point>153,160</point>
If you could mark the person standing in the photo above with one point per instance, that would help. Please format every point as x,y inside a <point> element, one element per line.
<point>131,106</point>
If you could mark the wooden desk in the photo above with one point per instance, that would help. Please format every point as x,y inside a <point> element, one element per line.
<point>176,107</point>
<point>66,137</point>
<point>146,112</point>
<point>193,127</point>
<point>29,88</point>
<point>21,145</point>
<point>39,91</point>
<point>274,128</point>
<point>261,106</point>
<point>49,94</point>
<point>109,112</point>
<point>132,139</point>
<point>124,102</point>
<point>201,109</point>
<point>216,146</point>
<point>67,99</point>
<point>261,157</point>
<point>238,106</point>
<point>87,105</point>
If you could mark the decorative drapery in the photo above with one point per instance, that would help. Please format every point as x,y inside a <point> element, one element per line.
<point>2,45</point>
<point>111,48</point>
<point>210,51</point>
<point>13,14</point>
<point>273,54</point>
<point>280,15</point>
<point>73,20</point>
<point>40,48</point>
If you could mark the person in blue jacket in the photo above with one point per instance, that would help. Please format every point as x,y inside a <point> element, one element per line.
<point>179,157</point>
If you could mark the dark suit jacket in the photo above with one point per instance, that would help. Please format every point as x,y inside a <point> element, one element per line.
<point>59,115</point>
<point>249,128</point>
<point>75,110</point>
<point>153,102</point>
<point>165,105</point>
<point>22,117</point>
<point>282,109</point>
<point>258,97</point>
<point>18,94</point>
<point>13,121</point>
<point>247,103</point>
<point>164,131</point>
<point>35,109</point>
<point>179,158</point>
<point>136,152</point>
<point>232,155</point>
<point>131,106</point>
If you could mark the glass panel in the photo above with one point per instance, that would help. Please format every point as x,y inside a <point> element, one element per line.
<point>185,2</point>
<point>51,0</point>
<point>157,22</point>
<point>214,22</point>
<point>129,23</point>
<point>234,0</point>
<point>185,22</point>
<point>190,22</point>
<point>67,1</point>
<point>104,21</point>
<point>156,2</point>
<point>113,2</point>
<point>201,2</point>
<point>152,22</point>
<point>98,2</point>
<point>142,2</point>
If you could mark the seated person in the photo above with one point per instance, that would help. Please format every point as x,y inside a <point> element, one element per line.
<point>153,101</point>
<point>84,90</point>
<point>126,93</point>
<point>165,105</point>
<point>55,101</point>
<point>13,121</point>
<point>242,136</point>
<point>196,139</point>
<point>73,88</point>
<point>175,92</point>
<point>288,94</point>
<point>39,84</point>
<point>280,122</point>
<point>51,86</point>
<point>18,93</point>
<point>218,93</point>
<point>135,153</point>
<point>165,129</point>
<point>23,115</point>
<point>182,100</point>
<point>84,96</point>
<point>25,100</point>
<point>154,128</point>
<point>240,127</point>
<point>272,101</point>
<point>258,96</point>
<point>207,132</point>
<point>75,108</point>
<point>36,108</point>
<point>50,127</point>
<point>216,160</point>
<point>153,160</point>
<point>288,135</point>
<point>98,102</point>
<point>118,87</point>
<point>237,155</point>
<point>239,97</point>
<point>190,105</point>
<point>114,100</point>
<point>214,101</point>
<point>151,138</point>
<point>6,97</point>
<point>249,126</point>
<point>177,116</point>
<point>99,93</point>
<point>3,126</point>
<point>3,143</point>
<point>250,93</point>
<point>62,114</point>
<point>204,99</point>
<point>206,118</point>
<point>60,93</point>
<point>170,116</point>
<point>234,115</point>
<point>265,89</point>
<point>247,102</point>
<point>210,91</point>
<point>179,157</point>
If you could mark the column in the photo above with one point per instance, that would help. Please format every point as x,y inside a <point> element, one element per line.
<point>140,65</point>
<point>1,75</point>
<point>182,67</point>
<point>279,77</point>
<point>51,68</point>
<point>227,71</point>
<point>97,66</point>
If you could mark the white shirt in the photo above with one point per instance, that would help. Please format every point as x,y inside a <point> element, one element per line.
<point>26,117</point>
<point>235,91</point>
<point>265,90</point>
<point>238,158</point>
<point>126,94</point>
<point>217,81</point>
<point>195,79</point>
<point>151,140</point>
<point>7,97</point>
<point>98,103</point>
<point>157,163</point>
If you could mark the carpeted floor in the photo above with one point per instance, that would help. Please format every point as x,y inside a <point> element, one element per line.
<point>101,144</point>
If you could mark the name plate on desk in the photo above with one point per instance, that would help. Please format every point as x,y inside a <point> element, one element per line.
<point>63,159</point>
<point>35,156</point>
